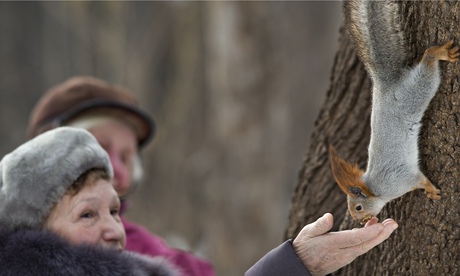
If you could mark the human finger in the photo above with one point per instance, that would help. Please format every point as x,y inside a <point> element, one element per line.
<point>389,226</point>
<point>372,221</point>
<point>350,238</point>
<point>319,227</point>
<point>389,220</point>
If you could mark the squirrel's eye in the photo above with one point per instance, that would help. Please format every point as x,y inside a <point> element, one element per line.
<point>359,207</point>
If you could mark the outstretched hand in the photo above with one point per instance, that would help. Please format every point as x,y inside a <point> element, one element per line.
<point>323,252</point>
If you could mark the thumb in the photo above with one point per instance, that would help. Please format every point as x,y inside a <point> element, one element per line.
<point>319,227</point>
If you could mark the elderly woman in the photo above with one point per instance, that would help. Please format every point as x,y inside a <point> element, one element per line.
<point>59,212</point>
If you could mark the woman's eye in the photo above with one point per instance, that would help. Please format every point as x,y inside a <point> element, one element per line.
<point>114,212</point>
<point>126,159</point>
<point>87,215</point>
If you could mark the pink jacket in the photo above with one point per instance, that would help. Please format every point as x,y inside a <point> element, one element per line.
<point>139,239</point>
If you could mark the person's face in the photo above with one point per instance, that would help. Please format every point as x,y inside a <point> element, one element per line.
<point>91,216</point>
<point>120,143</point>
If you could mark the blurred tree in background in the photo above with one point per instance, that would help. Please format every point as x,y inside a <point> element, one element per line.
<point>234,87</point>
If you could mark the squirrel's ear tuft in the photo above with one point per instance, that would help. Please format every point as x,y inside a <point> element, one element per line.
<point>357,192</point>
<point>348,176</point>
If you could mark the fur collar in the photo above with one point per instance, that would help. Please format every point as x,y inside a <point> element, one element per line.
<point>36,252</point>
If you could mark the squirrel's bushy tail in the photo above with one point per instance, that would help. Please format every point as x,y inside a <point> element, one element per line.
<point>375,30</point>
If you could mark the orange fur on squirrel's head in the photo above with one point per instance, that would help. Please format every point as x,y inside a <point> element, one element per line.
<point>348,177</point>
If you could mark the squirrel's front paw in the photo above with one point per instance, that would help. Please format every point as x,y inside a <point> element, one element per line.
<point>430,189</point>
<point>433,193</point>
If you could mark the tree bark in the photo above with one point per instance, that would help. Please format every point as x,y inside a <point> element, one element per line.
<point>427,240</point>
<point>344,121</point>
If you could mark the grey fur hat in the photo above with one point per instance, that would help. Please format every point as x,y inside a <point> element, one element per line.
<point>35,176</point>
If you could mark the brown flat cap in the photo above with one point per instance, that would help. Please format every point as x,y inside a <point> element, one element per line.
<point>85,96</point>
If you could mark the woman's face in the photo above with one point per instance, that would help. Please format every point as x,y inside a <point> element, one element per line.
<point>91,216</point>
<point>120,143</point>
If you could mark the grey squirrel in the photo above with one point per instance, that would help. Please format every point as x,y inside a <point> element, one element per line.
<point>400,97</point>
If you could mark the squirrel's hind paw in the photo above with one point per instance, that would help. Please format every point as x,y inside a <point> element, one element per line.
<point>444,52</point>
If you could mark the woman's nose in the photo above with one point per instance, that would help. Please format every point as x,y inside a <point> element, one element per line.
<point>114,235</point>
<point>121,173</point>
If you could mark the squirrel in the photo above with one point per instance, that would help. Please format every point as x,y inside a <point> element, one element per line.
<point>400,96</point>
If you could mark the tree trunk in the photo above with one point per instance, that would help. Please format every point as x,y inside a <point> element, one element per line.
<point>426,242</point>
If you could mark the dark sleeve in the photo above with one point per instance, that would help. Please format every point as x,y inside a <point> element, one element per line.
<point>280,261</point>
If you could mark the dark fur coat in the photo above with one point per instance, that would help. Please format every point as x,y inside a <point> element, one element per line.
<point>33,252</point>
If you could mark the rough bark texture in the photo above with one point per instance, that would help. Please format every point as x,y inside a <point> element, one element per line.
<point>427,240</point>
<point>344,122</point>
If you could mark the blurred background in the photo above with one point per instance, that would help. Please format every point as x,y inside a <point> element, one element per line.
<point>235,88</point>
